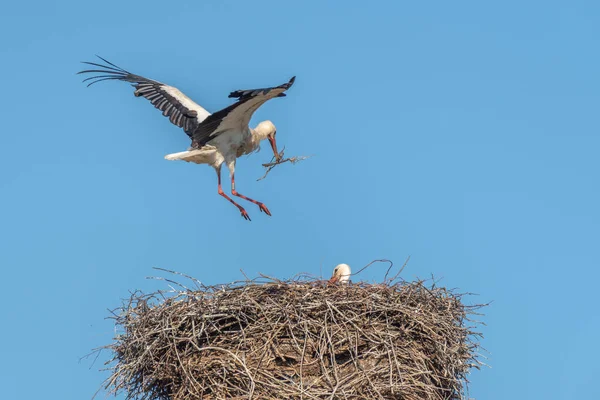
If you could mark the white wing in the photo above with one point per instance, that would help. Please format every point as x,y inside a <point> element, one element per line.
<point>236,116</point>
<point>181,110</point>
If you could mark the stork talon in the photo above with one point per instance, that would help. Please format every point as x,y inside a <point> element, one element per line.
<point>264,209</point>
<point>245,215</point>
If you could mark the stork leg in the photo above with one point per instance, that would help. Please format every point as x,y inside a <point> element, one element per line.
<point>262,207</point>
<point>222,193</point>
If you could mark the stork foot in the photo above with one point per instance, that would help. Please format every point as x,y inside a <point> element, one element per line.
<point>264,209</point>
<point>245,214</point>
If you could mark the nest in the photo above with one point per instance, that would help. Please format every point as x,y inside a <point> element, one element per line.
<point>298,339</point>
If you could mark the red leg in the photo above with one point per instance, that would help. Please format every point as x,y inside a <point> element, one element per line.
<point>222,193</point>
<point>262,207</point>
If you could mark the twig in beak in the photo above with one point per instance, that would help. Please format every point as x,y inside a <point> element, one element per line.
<point>276,160</point>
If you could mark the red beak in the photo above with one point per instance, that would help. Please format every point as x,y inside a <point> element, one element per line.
<point>274,147</point>
<point>333,279</point>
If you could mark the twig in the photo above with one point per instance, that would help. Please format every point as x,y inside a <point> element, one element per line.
<point>275,161</point>
<point>373,262</point>
<point>399,272</point>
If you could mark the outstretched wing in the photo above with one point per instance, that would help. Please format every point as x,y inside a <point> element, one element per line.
<point>180,109</point>
<point>236,116</point>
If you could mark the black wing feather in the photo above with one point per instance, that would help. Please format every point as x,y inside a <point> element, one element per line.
<point>205,131</point>
<point>248,94</point>
<point>150,89</point>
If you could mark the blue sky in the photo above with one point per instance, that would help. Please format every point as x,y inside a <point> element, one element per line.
<point>463,134</point>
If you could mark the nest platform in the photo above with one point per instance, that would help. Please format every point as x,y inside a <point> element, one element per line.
<point>298,339</point>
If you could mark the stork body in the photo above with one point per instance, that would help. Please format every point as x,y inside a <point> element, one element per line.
<point>218,138</point>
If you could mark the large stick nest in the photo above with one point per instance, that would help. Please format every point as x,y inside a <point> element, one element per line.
<point>298,339</point>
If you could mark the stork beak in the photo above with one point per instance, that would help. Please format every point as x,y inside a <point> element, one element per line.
<point>274,147</point>
<point>334,279</point>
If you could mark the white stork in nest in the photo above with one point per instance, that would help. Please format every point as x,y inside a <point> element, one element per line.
<point>341,274</point>
<point>216,138</point>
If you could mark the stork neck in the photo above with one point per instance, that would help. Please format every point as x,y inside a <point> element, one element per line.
<point>259,135</point>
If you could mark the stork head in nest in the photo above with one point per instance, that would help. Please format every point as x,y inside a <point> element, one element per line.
<point>341,274</point>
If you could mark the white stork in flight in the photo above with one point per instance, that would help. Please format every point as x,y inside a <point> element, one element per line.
<point>216,138</point>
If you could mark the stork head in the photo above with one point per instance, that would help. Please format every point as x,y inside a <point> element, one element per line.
<point>266,130</point>
<point>341,274</point>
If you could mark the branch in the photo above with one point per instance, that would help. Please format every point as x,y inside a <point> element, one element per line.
<point>275,161</point>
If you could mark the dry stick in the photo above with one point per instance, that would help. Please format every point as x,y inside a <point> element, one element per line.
<point>399,272</point>
<point>280,160</point>
<point>191,278</point>
<point>245,276</point>
<point>373,262</point>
